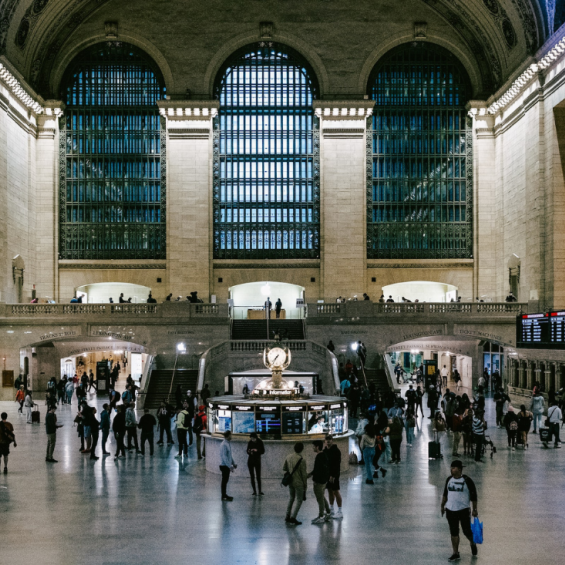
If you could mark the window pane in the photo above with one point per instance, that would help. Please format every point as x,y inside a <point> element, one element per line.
<point>112,142</point>
<point>266,187</point>
<point>421,139</point>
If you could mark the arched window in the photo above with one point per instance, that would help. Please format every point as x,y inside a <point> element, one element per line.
<point>112,190</point>
<point>266,156</point>
<point>420,190</point>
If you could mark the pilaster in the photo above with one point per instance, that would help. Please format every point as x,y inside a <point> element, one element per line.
<point>343,191</point>
<point>487,229</point>
<point>189,127</point>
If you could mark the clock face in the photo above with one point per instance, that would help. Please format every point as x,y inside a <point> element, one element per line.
<point>276,357</point>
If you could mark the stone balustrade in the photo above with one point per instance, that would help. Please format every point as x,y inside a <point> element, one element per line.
<point>368,309</point>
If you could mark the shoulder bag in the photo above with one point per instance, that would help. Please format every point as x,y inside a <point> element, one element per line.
<point>287,478</point>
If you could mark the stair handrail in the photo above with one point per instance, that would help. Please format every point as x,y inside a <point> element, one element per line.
<point>173,377</point>
<point>388,372</point>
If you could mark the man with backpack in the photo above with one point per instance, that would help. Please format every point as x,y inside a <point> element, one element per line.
<point>183,421</point>
<point>459,495</point>
<point>320,476</point>
<point>200,421</point>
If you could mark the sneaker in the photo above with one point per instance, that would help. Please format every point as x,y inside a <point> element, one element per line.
<point>94,458</point>
<point>557,446</point>
<point>116,458</point>
<point>376,475</point>
<point>295,522</point>
<point>53,461</point>
<point>369,482</point>
<point>327,517</point>
<point>261,494</point>
<point>454,557</point>
<point>384,472</point>
<point>227,498</point>
<point>513,449</point>
<point>338,515</point>
<point>288,519</point>
<point>474,549</point>
<point>318,520</point>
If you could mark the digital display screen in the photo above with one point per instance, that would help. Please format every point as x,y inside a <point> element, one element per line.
<point>293,422</point>
<point>268,423</point>
<point>532,331</point>
<point>557,329</point>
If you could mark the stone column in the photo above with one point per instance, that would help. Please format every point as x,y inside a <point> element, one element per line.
<point>521,371</point>
<point>47,200</point>
<point>189,126</point>
<point>485,226</point>
<point>343,195</point>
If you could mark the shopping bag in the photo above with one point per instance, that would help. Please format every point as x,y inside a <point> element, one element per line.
<point>477,529</point>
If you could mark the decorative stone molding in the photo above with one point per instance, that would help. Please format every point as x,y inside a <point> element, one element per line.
<point>468,265</point>
<point>420,30</point>
<point>266,30</point>
<point>111,30</point>
<point>188,133</point>
<point>298,264</point>
<point>21,92</point>
<point>193,109</point>
<point>343,109</point>
<point>104,266</point>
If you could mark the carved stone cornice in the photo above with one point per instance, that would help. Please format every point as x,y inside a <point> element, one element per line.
<point>343,109</point>
<point>468,265</point>
<point>104,266</point>
<point>191,109</point>
<point>274,264</point>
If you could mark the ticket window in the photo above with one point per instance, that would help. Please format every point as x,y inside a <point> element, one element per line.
<point>268,422</point>
<point>220,421</point>
<point>318,421</point>
<point>294,422</point>
<point>338,421</point>
<point>243,421</point>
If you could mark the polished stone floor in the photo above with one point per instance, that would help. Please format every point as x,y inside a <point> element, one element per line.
<point>159,510</point>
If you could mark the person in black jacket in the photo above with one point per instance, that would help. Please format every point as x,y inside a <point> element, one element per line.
<point>119,428</point>
<point>94,432</point>
<point>164,415</point>
<point>320,475</point>
<point>255,449</point>
<point>333,455</point>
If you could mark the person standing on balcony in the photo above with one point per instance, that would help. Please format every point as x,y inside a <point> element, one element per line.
<point>331,346</point>
<point>278,307</point>
<point>390,299</point>
<point>122,299</point>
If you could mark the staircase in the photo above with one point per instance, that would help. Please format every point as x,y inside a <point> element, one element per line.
<point>160,384</point>
<point>378,376</point>
<point>257,329</point>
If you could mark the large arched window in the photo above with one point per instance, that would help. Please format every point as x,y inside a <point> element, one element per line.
<point>420,188</point>
<point>266,152</point>
<point>112,185</point>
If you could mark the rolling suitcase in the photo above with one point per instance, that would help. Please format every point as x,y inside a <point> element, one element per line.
<point>434,448</point>
<point>545,435</point>
<point>35,419</point>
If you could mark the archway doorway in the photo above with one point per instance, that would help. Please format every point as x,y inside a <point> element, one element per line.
<point>248,300</point>
<point>98,293</point>
<point>421,291</point>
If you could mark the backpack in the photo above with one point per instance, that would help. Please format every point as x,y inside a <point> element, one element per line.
<point>353,459</point>
<point>198,424</point>
<point>513,427</point>
<point>186,421</point>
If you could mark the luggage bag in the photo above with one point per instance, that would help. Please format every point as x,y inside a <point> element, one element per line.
<point>35,417</point>
<point>434,449</point>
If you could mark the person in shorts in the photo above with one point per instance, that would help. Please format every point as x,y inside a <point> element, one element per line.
<point>459,495</point>
<point>334,462</point>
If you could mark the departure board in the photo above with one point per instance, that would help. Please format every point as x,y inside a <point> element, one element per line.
<point>557,329</point>
<point>532,331</point>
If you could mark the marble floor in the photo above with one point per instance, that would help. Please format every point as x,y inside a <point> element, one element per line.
<point>159,510</point>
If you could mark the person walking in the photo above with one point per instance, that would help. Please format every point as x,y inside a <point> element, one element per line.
<point>524,424</point>
<point>444,374</point>
<point>51,428</point>
<point>367,446</point>
<point>500,398</point>
<point>29,404</point>
<point>69,391</point>
<point>255,448</point>
<point>20,397</point>
<point>119,429</point>
<point>395,434</point>
<point>105,427</point>
<point>296,466</point>
<point>511,423</point>
<point>94,433</point>
<point>320,477</point>
<point>456,428</point>
<point>459,502</point>
<point>7,437</point>
<point>147,425</point>
<point>227,465</point>
<point>183,419</point>
<point>537,407</point>
<point>333,455</point>
<point>200,422</point>
<point>479,426</point>
<point>131,428</point>
<point>410,424</point>
<point>554,416</point>
<point>419,400</point>
<point>164,418</point>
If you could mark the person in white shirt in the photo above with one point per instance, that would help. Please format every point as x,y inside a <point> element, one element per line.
<point>29,404</point>
<point>459,502</point>
<point>554,416</point>
<point>444,373</point>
